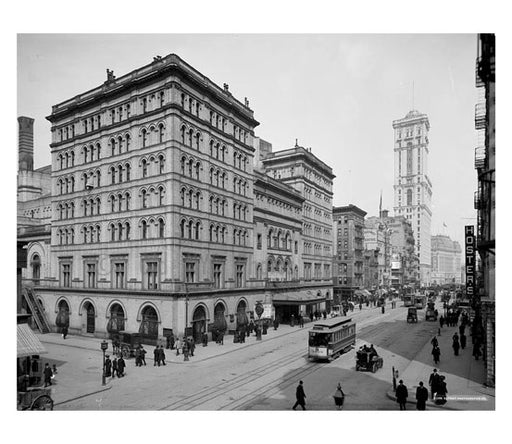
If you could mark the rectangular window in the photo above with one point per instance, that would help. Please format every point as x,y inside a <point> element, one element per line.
<point>240,276</point>
<point>151,275</point>
<point>259,242</point>
<point>218,278</point>
<point>65,274</point>
<point>119,278</point>
<point>190,272</point>
<point>409,161</point>
<point>90,275</point>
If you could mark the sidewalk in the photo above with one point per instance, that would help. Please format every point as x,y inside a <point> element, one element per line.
<point>465,376</point>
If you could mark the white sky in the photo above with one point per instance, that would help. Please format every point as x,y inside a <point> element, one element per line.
<point>337,94</point>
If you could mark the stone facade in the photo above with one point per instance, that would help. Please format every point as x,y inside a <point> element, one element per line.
<point>446,260</point>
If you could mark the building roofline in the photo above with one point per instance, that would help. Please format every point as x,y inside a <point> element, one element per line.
<point>347,209</point>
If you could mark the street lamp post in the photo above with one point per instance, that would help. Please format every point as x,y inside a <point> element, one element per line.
<point>104,346</point>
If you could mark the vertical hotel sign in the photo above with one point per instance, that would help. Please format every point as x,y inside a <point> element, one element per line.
<point>470,241</point>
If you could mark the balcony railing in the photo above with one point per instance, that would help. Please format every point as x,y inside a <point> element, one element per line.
<point>480,155</point>
<point>480,116</point>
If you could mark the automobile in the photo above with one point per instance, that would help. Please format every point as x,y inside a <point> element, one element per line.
<point>412,314</point>
<point>368,361</point>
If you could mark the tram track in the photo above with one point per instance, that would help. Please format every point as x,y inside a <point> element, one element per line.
<point>231,385</point>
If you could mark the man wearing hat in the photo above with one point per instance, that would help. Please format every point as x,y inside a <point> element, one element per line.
<point>433,381</point>
<point>301,397</point>
<point>108,366</point>
<point>401,394</point>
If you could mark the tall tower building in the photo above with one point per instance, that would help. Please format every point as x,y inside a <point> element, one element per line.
<point>413,189</point>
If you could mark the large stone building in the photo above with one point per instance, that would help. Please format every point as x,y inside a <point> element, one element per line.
<point>348,225</point>
<point>157,211</point>
<point>446,260</point>
<point>377,239</point>
<point>485,197</point>
<point>412,186</point>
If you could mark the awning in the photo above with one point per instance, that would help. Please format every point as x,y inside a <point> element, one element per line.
<point>304,297</point>
<point>28,343</point>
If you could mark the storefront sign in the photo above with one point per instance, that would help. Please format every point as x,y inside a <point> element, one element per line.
<point>470,242</point>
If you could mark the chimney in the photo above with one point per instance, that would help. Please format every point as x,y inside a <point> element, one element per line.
<point>26,143</point>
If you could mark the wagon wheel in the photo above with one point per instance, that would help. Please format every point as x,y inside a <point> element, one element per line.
<point>374,367</point>
<point>125,351</point>
<point>43,402</point>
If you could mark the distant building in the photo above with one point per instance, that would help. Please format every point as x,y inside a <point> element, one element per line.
<point>348,225</point>
<point>446,260</point>
<point>413,189</point>
<point>377,239</point>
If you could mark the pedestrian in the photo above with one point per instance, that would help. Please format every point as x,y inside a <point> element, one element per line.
<point>142,355</point>
<point>116,343</point>
<point>324,313</point>
<point>64,332</point>
<point>108,366</point>
<point>360,306</point>
<point>178,346</point>
<point>114,367</point>
<point>462,328</point>
<point>47,372</point>
<point>441,321</point>
<point>241,336</point>
<point>185,350</point>
<point>292,320</point>
<point>162,355</point>
<point>401,394</point>
<point>221,337</point>
<point>442,391</point>
<point>433,381</point>
<point>434,342</point>
<point>300,396</point>
<point>192,346</point>
<point>138,362</point>
<point>421,397</point>
<point>476,349</point>
<point>436,352</point>
<point>54,368</point>
<point>251,326</point>
<point>275,323</point>
<point>156,356</point>
<point>205,339</point>
<point>120,366</point>
<point>171,339</point>
<point>462,341</point>
<point>455,344</point>
<point>301,321</point>
<point>311,316</point>
<point>339,397</point>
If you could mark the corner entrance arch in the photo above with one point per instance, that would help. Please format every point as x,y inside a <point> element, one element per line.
<point>198,323</point>
<point>90,313</point>
<point>117,316</point>
<point>62,319</point>
<point>149,325</point>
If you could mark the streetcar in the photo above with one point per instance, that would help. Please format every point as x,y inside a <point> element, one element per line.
<point>331,337</point>
<point>420,301</point>
<point>408,300</point>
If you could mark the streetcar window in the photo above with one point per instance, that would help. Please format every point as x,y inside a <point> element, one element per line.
<point>318,340</point>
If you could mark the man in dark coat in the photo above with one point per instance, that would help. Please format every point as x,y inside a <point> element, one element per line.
<point>311,316</point>
<point>47,372</point>
<point>476,350</point>
<point>114,367</point>
<point>142,355</point>
<point>64,332</point>
<point>455,344</point>
<point>441,321</point>
<point>300,396</point>
<point>192,346</point>
<point>433,381</point>
<point>156,356</point>
<point>120,366</point>
<point>462,329</point>
<point>436,352</point>
<point>108,366</point>
<point>162,355</point>
<point>434,342</point>
<point>421,397</point>
<point>401,395</point>
<point>462,341</point>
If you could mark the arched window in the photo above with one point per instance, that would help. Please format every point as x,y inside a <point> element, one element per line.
<point>211,233</point>
<point>196,233</point>
<point>259,273</point>
<point>98,151</point>
<point>190,194</point>
<point>120,202</point>
<point>144,199</point>
<point>120,231</point>
<point>161,133</point>
<point>160,196</point>
<point>161,163</point>
<point>211,148</point>
<point>196,200</point>
<point>198,166</point>
<point>144,138</point>
<point>182,195</point>
<point>197,141</point>
<point>190,229</point>
<point>128,198</point>
<point>183,135</point>
<point>112,232</point>
<point>120,143</point>
<point>127,169</point>
<point>190,137</point>
<point>211,176</point>
<point>73,208</point>
<point>190,167</point>
<point>112,175</point>
<point>223,235</point>
<point>113,147</point>
<point>72,158</point>
<point>128,139</point>
<point>98,232</point>
<point>161,227</point>
<point>127,230</point>
<point>144,168</point>
<point>112,204</point>
<point>217,233</point>
<point>183,160</point>
<point>182,228</point>
<point>144,229</point>
<point>120,172</point>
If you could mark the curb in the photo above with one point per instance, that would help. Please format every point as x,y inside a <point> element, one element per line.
<point>83,396</point>
<point>429,403</point>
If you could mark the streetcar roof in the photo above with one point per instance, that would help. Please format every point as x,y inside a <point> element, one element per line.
<point>329,324</point>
